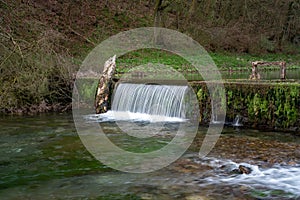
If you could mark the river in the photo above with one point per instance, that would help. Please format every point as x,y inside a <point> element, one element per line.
<point>42,157</point>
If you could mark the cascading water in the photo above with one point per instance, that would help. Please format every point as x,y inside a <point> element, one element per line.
<point>163,100</point>
<point>237,121</point>
<point>280,178</point>
<point>145,102</point>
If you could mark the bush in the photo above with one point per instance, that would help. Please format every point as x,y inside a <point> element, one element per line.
<point>34,76</point>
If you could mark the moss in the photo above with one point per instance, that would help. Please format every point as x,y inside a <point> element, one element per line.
<point>275,105</point>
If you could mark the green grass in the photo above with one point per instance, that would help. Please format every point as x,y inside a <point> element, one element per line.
<point>243,61</point>
<point>223,61</point>
<point>145,56</point>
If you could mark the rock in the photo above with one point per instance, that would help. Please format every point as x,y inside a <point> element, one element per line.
<point>235,171</point>
<point>146,196</point>
<point>196,197</point>
<point>294,129</point>
<point>245,170</point>
<point>241,170</point>
<point>297,153</point>
<point>292,163</point>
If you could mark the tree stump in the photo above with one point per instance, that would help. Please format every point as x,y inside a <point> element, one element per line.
<point>105,86</point>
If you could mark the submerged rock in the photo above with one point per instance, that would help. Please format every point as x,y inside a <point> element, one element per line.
<point>241,170</point>
<point>196,197</point>
<point>245,170</point>
<point>297,153</point>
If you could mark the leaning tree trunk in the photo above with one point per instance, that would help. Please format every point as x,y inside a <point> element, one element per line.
<point>105,86</point>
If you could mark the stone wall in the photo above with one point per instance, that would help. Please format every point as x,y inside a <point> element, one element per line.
<point>272,106</point>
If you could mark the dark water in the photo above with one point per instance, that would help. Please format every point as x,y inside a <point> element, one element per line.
<point>293,74</point>
<point>274,75</point>
<point>42,157</point>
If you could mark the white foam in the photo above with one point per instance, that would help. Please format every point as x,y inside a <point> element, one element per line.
<point>286,178</point>
<point>129,116</point>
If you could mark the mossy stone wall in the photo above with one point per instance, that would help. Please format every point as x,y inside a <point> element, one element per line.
<point>269,105</point>
<point>274,105</point>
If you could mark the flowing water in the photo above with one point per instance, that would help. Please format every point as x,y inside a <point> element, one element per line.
<point>159,100</point>
<point>43,158</point>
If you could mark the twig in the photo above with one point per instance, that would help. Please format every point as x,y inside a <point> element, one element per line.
<point>86,39</point>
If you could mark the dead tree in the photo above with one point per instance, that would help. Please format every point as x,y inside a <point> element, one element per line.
<point>105,86</point>
<point>256,75</point>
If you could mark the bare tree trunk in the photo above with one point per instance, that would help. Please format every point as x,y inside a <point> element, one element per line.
<point>177,19</point>
<point>157,13</point>
<point>105,85</point>
<point>256,75</point>
<point>158,22</point>
<point>289,26</point>
<point>282,70</point>
<point>192,8</point>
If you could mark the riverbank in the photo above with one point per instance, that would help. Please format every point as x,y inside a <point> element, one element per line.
<point>263,105</point>
<point>44,43</point>
<point>255,104</point>
<point>49,89</point>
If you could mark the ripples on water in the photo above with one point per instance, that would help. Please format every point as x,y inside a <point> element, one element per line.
<point>280,178</point>
<point>38,157</point>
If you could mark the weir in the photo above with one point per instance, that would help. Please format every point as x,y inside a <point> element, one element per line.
<point>162,100</point>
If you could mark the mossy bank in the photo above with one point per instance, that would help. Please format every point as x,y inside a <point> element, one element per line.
<point>260,105</point>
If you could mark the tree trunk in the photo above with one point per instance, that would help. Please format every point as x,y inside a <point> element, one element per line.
<point>192,8</point>
<point>158,20</point>
<point>105,86</point>
<point>255,74</point>
<point>157,13</point>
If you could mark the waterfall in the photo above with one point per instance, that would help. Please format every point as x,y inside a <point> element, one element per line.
<point>237,121</point>
<point>214,114</point>
<point>161,100</point>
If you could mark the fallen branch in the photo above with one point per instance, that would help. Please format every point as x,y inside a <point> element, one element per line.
<point>80,35</point>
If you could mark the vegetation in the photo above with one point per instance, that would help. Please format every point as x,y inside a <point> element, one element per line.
<point>223,60</point>
<point>272,105</point>
<point>241,26</point>
<point>44,42</point>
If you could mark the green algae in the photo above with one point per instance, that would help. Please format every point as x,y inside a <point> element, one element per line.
<point>275,105</point>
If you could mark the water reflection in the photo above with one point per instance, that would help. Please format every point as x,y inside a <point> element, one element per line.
<point>293,74</point>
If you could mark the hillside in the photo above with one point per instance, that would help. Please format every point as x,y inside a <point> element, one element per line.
<point>44,41</point>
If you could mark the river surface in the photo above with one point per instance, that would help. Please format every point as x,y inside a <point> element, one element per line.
<point>292,74</point>
<point>42,157</point>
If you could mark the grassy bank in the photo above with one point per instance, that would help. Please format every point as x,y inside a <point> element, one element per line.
<point>223,60</point>
<point>42,80</point>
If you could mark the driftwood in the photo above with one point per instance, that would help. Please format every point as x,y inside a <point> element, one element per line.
<point>256,75</point>
<point>105,85</point>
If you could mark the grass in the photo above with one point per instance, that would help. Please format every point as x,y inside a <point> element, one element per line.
<point>243,61</point>
<point>224,61</point>
<point>145,56</point>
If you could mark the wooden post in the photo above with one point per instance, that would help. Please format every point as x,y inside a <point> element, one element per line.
<point>105,85</point>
